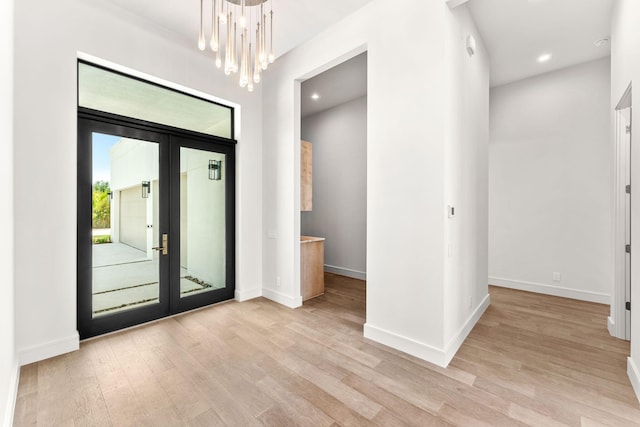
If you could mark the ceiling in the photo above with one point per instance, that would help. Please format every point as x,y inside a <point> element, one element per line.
<point>295,21</point>
<point>340,84</point>
<point>517,32</point>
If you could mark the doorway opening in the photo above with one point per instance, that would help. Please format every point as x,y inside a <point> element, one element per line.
<point>620,321</point>
<point>333,171</point>
<point>156,203</point>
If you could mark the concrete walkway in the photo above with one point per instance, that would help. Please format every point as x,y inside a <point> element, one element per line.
<point>101,232</point>
<point>124,278</point>
<point>106,254</point>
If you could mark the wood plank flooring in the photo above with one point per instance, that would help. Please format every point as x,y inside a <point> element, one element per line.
<point>531,360</point>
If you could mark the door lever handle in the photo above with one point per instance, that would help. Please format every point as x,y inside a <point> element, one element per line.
<point>164,249</point>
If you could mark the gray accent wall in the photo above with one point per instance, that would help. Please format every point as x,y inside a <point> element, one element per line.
<point>339,138</point>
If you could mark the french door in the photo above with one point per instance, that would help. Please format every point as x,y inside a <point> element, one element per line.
<point>155,222</point>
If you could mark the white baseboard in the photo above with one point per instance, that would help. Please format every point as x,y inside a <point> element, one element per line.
<point>355,274</point>
<point>12,396</point>
<point>557,291</point>
<point>425,351</point>
<point>634,376</point>
<point>408,345</point>
<point>245,295</point>
<point>49,349</point>
<point>280,298</point>
<point>611,326</point>
<point>454,344</point>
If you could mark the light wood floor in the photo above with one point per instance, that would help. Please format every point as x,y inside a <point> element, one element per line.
<point>531,360</point>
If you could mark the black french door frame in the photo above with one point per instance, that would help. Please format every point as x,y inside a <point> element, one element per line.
<point>169,140</point>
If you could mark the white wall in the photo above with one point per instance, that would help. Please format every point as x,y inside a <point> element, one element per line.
<point>132,221</point>
<point>8,363</point>
<point>339,138</point>
<point>410,122</point>
<point>133,161</point>
<point>625,68</point>
<point>45,151</point>
<point>466,182</point>
<point>551,184</point>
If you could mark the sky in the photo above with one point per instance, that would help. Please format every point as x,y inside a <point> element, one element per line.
<point>101,165</point>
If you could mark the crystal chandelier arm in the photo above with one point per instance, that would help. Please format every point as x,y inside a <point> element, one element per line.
<point>222,14</point>
<point>234,50</point>
<point>256,68</point>
<point>272,57</point>
<point>227,56</point>
<point>259,41</point>
<point>201,43</point>
<point>243,18</point>
<point>214,21</point>
<point>263,39</point>
<point>250,76</point>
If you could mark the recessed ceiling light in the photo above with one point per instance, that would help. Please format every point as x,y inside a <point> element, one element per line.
<point>602,42</point>
<point>315,96</point>
<point>544,58</point>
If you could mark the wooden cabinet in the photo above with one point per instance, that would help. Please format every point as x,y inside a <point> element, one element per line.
<point>311,266</point>
<point>306,176</point>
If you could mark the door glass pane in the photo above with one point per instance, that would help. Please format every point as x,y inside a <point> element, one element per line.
<point>124,223</point>
<point>112,92</point>
<point>202,221</point>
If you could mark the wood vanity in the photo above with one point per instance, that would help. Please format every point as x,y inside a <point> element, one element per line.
<point>311,248</point>
<point>306,176</point>
<point>311,266</point>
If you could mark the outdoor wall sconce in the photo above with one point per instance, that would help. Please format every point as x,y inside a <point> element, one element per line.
<point>146,189</point>
<point>215,170</point>
<point>110,194</point>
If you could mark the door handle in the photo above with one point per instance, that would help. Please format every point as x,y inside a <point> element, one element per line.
<point>164,249</point>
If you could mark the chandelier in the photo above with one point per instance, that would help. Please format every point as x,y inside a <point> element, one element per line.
<point>246,22</point>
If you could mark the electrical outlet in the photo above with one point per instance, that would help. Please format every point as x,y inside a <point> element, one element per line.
<point>557,276</point>
<point>278,282</point>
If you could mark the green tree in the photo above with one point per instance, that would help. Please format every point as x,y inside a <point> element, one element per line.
<point>101,186</point>
<point>101,215</point>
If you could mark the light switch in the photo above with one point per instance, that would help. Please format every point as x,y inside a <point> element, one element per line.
<point>470,44</point>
